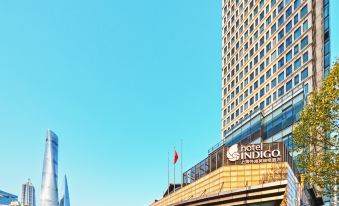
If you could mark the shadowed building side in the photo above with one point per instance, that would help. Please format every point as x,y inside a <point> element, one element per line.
<point>49,185</point>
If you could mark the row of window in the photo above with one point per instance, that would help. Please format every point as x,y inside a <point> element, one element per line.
<point>255,36</point>
<point>285,59</point>
<point>255,24</point>
<point>268,100</point>
<point>286,17</point>
<point>268,47</point>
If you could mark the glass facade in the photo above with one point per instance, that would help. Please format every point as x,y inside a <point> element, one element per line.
<point>64,201</point>
<point>254,33</point>
<point>7,198</point>
<point>28,194</point>
<point>49,184</point>
<point>327,45</point>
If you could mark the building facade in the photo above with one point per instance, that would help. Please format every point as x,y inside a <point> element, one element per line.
<point>49,184</point>
<point>28,194</point>
<point>7,198</point>
<point>275,52</point>
<point>252,174</point>
<point>65,201</point>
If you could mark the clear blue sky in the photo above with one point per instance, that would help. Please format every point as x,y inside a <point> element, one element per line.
<point>120,82</point>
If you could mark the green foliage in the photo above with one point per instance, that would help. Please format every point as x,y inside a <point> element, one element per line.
<point>315,136</point>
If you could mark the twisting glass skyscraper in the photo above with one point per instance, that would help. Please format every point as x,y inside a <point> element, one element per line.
<point>64,201</point>
<point>49,185</point>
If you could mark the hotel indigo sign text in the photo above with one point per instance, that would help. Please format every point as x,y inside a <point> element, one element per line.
<point>254,153</point>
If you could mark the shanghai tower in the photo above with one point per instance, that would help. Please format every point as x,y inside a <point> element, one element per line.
<point>49,184</point>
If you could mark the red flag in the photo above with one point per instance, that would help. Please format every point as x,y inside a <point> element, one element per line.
<point>176,157</point>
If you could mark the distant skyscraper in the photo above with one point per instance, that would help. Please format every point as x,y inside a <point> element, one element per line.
<point>28,194</point>
<point>49,185</point>
<point>64,201</point>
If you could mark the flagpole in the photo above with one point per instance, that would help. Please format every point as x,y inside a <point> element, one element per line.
<point>174,170</point>
<point>182,181</point>
<point>168,173</point>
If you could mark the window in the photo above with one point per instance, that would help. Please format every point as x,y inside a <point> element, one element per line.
<point>268,74</point>
<point>262,79</point>
<point>280,20</point>
<point>288,85</point>
<point>262,105</point>
<point>268,47</point>
<point>262,67</point>
<point>273,83</point>
<point>273,2</point>
<point>262,53</point>
<point>255,36</point>
<point>296,4</point>
<point>255,60</point>
<point>262,3</point>
<point>303,11</point>
<point>305,25</point>
<point>296,79</point>
<point>255,85</point>
<point>296,19</point>
<point>255,11</point>
<point>267,61</point>
<point>262,14</point>
<point>281,48</point>
<point>251,100</point>
<point>268,100</point>
<point>297,64</point>
<point>262,92</point>
<point>304,74</point>
<point>281,91</point>
<point>305,57</point>
<point>288,26</point>
<point>262,27</point>
<point>289,56</point>
<point>288,12</point>
<point>289,41</point>
<point>306,88</point>
<point>273,56</point>
<point>251,76</point>
<point>281,63</point>
<point>280,34</point>
<point>304,42</point>
<point>268,20</point>
<point>297,33</point>
<point>288,70</point>
<point>281,77</point>
<point>273,28</point>
<point>280,6</point>
<point>296,49</point>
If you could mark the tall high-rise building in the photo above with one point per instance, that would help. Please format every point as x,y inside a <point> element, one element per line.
<point>275,52</point>
<point>28,194</point>
<point>49,185</point>
<point>64,201</point>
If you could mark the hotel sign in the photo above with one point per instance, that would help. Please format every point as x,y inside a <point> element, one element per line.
<point>254,153</point>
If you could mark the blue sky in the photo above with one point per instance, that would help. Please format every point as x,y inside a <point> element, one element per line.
<point>120,82</point>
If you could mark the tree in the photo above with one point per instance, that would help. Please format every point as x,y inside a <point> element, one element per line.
<point>315,136</point>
